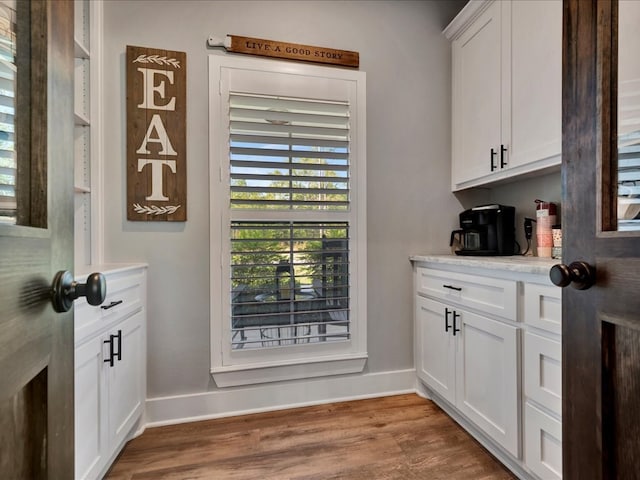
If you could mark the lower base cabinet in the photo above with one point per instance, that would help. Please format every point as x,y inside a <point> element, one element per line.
<point>487,378</point>
<point>469,360</point>
<point>90,415</point>
<point>124,385</point>
<point>110,369</point>
<point>488,351</point>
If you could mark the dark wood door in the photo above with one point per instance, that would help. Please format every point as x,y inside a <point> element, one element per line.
<point>601,324</point>
<point>36,238</point>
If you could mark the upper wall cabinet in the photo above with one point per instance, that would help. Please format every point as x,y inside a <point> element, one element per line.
<point>507,85</point>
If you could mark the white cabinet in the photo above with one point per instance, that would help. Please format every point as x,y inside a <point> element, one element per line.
<point>543,380</point>
<point>436,363</point>
<point>477,98</point>
<point>535,136</point>
<point>543,443</point>
<point>110,370</point>
<point>507,78</point>
<point>487,377</point>
<point>125,379</point>
<point>90,414</point>
<point>470,359</point>
<point>488,352</point>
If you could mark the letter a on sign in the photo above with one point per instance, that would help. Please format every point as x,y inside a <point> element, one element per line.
<point>156,135</point>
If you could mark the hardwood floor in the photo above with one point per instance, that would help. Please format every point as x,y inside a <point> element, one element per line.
<point>403,437</point>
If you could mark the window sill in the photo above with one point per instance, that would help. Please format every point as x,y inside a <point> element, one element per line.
<point>274,372</point>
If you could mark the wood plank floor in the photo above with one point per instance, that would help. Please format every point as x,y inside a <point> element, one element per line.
<point>403,437</point>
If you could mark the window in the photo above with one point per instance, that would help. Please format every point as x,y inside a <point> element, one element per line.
<point>288,220</point>
<point>289,283</point>
<point>7,111</point>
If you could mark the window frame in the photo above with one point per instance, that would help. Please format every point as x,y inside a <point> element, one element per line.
<point>274,77</point>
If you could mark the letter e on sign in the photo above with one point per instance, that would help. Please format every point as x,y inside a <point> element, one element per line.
<point>156,135</point>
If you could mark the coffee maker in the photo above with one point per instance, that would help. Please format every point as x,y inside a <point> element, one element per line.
<point>486,230</point>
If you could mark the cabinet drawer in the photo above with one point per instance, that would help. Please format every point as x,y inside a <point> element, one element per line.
<point>543,371</point>
<point>491,295</point>
<point>125,293</point>
<point>543,307</point>
<point>543,443</point>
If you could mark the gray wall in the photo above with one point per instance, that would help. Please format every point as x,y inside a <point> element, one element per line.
<point>410,208</point>
<point>522,195</point>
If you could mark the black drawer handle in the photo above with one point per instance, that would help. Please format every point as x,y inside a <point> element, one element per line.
<point>456,315</point>
<point>457,289</point>
<point>118,354</point>
<point>112,352</point>
<point>493,154</point>
<point>503,149</point>
<point>111,305</point>
<point>447,312</point>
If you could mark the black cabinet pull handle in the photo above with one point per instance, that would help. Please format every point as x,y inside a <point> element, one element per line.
<point>119,337</point>
<point>111,305</point>
<point>456,315</point>
<point>111,351</point>
<point>493,154</point>
<point>503,149</point>
<point>451,287</point>
<point>447,312</point>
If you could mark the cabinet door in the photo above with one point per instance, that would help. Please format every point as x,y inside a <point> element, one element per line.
<point>435,348</point>
<point>487,377</point>
<point>477,97</point>
<point>126,379</point>
<point>536,82</point>
<point>90,417</point>
<point>543,443</point>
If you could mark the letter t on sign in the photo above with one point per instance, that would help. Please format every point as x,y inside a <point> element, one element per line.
<point>156,135</point>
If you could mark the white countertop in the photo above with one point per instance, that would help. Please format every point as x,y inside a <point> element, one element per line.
<point>515,263</point>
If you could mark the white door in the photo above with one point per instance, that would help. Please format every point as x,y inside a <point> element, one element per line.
<point>487,377</point>
<point>436,349</point>
<point>477,98</point>
<point>90,415</point>
<point>535,126</point>
<point>125,377</point>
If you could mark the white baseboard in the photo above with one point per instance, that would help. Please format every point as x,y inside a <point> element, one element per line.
<point>276,396</point>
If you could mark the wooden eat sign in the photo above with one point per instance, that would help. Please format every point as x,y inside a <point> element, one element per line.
<point>156,135</point>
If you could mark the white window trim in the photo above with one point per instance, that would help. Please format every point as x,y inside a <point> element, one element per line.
<point>299,361</point>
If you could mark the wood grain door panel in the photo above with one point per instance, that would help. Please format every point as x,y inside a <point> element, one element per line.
<point>36,344</point>
<point>601,325</point>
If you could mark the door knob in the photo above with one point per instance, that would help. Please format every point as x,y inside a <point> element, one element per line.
<point>580,275</point>
<point>65,290</point>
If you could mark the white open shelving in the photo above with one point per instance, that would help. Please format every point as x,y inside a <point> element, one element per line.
<point>87,52</point>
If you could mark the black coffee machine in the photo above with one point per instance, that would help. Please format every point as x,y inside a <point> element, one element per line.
<point>487,230</point>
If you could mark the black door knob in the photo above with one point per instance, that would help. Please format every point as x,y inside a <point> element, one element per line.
<point>580,275</point>
<point>65,290</point>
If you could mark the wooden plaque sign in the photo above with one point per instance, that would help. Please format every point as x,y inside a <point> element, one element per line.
<point>156,135</point>
<point>290,51</point>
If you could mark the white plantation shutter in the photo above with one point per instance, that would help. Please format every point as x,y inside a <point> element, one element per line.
<point>7,112</point>
<point>289,280</point>
<point>288,153</point>
<point>288,220</point>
